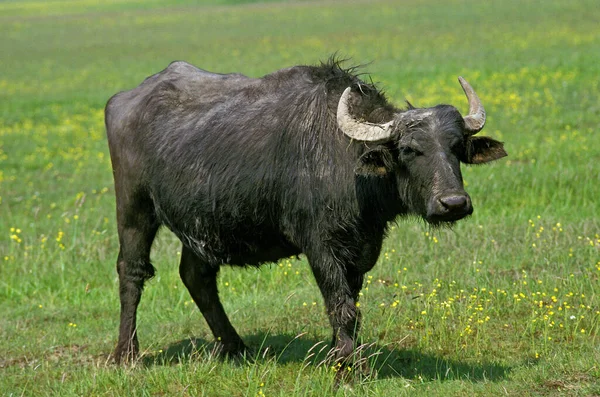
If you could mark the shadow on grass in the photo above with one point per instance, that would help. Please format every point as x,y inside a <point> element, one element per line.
<point>385,361</point>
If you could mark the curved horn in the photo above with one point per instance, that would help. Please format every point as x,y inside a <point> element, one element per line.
<point>475,120</point>
<point>360,131</point>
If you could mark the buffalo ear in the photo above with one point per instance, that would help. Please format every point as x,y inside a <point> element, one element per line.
<point>481,149</point>
<point>375,162</point>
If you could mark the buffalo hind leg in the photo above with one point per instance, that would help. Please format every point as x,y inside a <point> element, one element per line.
<point>200,278</point>
<point>134,268</point>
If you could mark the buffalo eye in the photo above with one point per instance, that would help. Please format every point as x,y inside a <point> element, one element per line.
<point>407,151</point>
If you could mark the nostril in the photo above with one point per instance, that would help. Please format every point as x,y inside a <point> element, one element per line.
<point>454,202</point>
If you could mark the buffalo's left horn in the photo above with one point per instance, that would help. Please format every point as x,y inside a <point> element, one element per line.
<point>361,131</point>
<point>475,120</point>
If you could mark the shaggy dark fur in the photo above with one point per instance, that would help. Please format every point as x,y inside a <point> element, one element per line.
<point>246,171</point>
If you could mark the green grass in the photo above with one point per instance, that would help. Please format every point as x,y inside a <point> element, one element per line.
<point>506,303</point>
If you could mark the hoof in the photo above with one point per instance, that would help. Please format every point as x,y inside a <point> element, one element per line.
<point>125,355</point>
<point>232,351</point>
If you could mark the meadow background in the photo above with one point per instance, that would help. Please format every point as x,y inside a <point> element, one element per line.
<point>506,303</point>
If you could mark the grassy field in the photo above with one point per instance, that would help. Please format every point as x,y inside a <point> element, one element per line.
<point>506,303</point>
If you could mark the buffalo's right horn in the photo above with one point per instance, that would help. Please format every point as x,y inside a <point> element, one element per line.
<point>361,131</point>
<point>475,120</point>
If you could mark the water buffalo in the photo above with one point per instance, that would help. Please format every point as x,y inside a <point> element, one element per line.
<point>244,171</point>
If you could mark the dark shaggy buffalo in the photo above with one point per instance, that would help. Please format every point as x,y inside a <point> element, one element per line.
<point>308,159</point>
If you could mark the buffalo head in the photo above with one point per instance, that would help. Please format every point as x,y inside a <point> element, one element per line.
<point>423,148</point>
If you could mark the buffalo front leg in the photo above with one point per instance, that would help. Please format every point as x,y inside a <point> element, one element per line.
<point>134,268</point>
<point>340,292</point>
<point>200,278</point>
